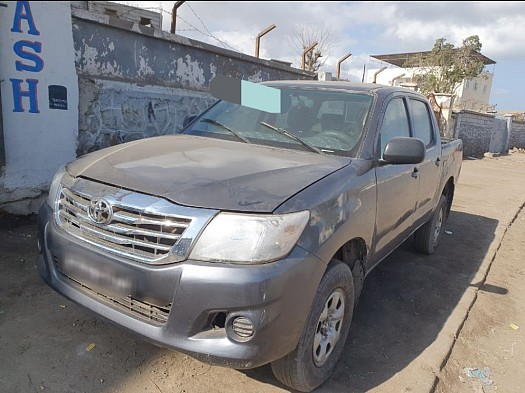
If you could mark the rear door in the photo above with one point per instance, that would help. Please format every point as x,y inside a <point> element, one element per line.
<point>430,168</point>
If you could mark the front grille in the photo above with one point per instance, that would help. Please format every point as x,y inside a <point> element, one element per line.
<point>157,315</point>
<point>132,233</point>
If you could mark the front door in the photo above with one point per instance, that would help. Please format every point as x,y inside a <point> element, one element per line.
<point>397,185</point>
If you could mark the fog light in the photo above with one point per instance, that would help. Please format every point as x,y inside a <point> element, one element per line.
<point>243,327</point>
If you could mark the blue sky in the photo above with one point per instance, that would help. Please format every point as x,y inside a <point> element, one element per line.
<point>365,28</point>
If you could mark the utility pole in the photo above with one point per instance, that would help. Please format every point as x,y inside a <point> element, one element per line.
<point>174,15</point>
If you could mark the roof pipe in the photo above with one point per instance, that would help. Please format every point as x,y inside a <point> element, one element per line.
<point>340,61</point>
<point>174,16</point>
<point>377,72</point>
<point>396,78</point>
<point>258,39</point>
<point>311,47</point>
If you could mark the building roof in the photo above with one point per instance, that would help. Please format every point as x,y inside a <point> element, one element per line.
<point>399,59</point>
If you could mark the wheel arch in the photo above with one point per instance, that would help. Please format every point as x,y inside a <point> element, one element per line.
<point>354,254</point>
<point>448,192</point>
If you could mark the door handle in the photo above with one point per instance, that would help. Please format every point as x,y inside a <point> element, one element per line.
<point>415,173</point>
<point>438,161</point>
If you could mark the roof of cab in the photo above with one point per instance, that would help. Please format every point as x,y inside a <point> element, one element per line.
<point>338,85</point>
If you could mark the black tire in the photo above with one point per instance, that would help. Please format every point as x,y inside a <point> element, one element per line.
<point>306,367</point>
<point>427,238</point>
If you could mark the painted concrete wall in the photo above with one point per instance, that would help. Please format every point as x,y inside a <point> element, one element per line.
<point>138,82</point>
<point>134,53</point>
<point>39,99</point>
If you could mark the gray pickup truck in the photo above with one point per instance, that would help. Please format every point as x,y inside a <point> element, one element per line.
<point>245,238</point>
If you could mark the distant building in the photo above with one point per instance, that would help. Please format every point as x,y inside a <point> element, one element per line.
<point>122,12</point>
<point>472,94</point>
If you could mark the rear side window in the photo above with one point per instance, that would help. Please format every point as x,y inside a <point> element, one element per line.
<point>422,125</point>
<point>395,122</point>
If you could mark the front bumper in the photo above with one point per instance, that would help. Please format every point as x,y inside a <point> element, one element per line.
<point>181,306</point>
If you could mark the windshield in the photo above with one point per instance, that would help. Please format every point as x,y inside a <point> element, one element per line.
<point>330,122</point>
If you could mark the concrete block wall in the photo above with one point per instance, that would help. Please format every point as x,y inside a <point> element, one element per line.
<point>115,112</point>
<point>473,128</point>
<point>498,136</point>
<point>480,133</point>
<point>517,135</point>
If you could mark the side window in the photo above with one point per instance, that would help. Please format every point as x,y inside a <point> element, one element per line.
<point>395,122</point>
<point>422,123</point>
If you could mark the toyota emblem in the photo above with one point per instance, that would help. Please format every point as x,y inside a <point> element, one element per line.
<point>100,211</point>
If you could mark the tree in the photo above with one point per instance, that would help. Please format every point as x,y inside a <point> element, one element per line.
<point>306,35</point>
<point>444,68</point>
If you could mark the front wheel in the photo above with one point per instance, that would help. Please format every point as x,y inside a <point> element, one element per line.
<point>324,335</point>
<point>428,236</point>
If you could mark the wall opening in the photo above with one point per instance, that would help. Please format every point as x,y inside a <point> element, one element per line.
<point>145,22</point>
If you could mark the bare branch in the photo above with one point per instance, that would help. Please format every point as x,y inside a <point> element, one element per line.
<point>306,35</point>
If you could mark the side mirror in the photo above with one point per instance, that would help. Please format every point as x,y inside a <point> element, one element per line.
<point>188,120</point>
<point>404,150</point>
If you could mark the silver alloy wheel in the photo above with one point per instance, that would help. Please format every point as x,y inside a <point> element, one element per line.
<point>329,327</point>
<point>439,224</point>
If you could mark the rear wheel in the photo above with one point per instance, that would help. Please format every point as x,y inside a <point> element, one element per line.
<point>429,235</point>
<point>324,335</point>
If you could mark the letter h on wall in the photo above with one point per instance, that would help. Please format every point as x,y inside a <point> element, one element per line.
<point>31,93</point>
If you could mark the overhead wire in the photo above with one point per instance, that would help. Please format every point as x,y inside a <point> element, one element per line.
<point>224,44</point>
<point>197,16</point>
<point>207,33</point>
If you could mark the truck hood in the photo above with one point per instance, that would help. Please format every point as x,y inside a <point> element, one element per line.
<point>207,172</point>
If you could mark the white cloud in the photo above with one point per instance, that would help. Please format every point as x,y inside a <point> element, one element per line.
<point>500,26</point>
<point>365,27</point>
<point>362,28</point>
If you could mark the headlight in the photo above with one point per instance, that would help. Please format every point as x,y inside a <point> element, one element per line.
<point>245,238</point>
<point>53,188</point>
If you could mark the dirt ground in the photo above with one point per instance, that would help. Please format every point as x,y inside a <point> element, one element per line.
<point>422,324</point>
<point>489,354</point>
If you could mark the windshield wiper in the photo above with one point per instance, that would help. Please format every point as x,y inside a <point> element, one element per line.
<point>218,123</point>
<point>282,131</point>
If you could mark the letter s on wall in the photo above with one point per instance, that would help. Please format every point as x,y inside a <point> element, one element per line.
<point>20,49</point>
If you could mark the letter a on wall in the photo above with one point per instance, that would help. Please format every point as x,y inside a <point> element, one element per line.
<point>23,13</point>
